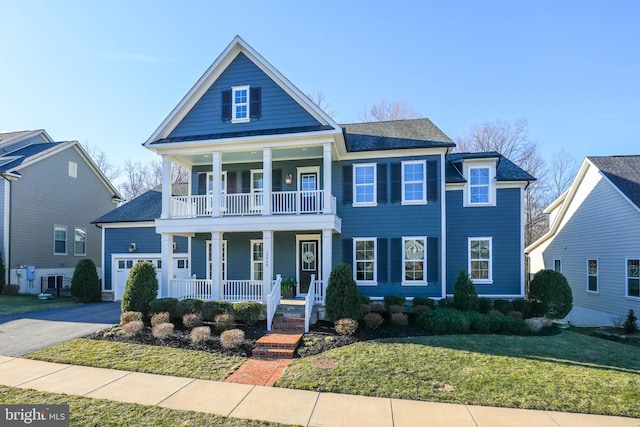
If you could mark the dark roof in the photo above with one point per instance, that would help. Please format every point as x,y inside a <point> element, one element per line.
<point>506,170</point>
<point>9,161</point>
<point>245,133</point>
<point>146,207</point>
<point>623,172</point>
<point>396,134</point>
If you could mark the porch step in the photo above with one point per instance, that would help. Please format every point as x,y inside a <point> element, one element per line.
<point>276,346</point>
<point>288,324</point>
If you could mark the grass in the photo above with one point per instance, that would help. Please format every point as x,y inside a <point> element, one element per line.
<point>85,411</point>
<point>16,304</point>
<point>141,358</point>
<point>565,372</point>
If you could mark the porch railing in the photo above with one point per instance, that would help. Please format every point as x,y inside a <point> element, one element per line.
<point>273,301</point>
<point>319,291</point>
<point>242,290</point>
<point>190,288</point>
<point>231,290</point>
<point>309,301</point>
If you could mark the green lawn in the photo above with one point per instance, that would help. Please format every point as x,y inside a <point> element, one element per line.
<point>84,411</point>
<point>15,304</point>
<point>565,372</point>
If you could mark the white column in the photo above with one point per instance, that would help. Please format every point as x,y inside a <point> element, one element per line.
<point>166,186</point>
<point>267,253</point>
<point>216,172</point>
<point>216,267</point>
<point>266,181</point>
<point>326,177</point>
<point>166,250</point>
<point>327,256</point>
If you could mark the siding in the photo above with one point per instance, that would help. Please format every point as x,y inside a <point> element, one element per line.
<point>278,110</point>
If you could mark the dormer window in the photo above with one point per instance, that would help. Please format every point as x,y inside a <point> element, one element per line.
<point>478,185</point>
<point>240,104</point>
<point>480,189</point>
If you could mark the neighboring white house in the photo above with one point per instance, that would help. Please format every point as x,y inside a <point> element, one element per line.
<point>594,240</point>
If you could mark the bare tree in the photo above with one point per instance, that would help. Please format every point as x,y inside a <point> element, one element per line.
<point>137,179</point>
<point>179,174</point>
<point>562,170</point>
<point>384,111</point>
<point>318,97</point>
<point>99,157</point>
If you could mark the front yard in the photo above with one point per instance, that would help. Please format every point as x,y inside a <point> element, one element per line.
<point>23,303</point>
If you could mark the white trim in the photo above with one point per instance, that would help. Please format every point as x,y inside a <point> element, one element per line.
<point>425,257</point>
<point>66,239</point>
<point>306,170</point>
<point>489,279</point>
<point>597,291</point>
<point>354,184</point>
<point>422,201</point>
<point>74,241</point>
<point>246,104</point>
<point>523,257</point>
<point>469,166</point>
<point>374,281</point>
<point>627,277</point>
<point>554,264</point>
<point>252,243</point>
<point>318,239</point>
<point>7,228</point>
<point>223,260</point>
<point>141,224</point>
<point>443,224</point>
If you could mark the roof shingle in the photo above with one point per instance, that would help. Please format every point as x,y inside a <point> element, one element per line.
<point>623,172</point>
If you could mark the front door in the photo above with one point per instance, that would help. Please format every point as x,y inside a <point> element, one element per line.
<point>308,263</point>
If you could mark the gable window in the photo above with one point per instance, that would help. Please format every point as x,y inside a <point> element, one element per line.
<point>633,277</point>
<point>414,182</point>
<point>557,265</point>
<point>364,255</point>
<point>257,260</point>
<point>592,275</point>
<point>240,104</point>
<point>480,262</point>
<point>79,241</point>
<point>73,169</point>
<point>364,184</point>
<point>59,240</point>
<point>414,260</point>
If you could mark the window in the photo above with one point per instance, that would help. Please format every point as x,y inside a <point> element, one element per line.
<point>257,188</point>
<point>59,240</point>
<point>364,184</point>
<point>592,275</point>
<point>79,242</point>
<point>183,263</point>
<point>480,267</point>
<point>557,265</point>
<point>257,260</point>
<point>480,189</point>
<point>633,278</point>
<point>73,169</point>
<point>414,256</point>
<point>479,185</point>
<point>240,104</point>
<point>223,188</point>
<point>364,255</point>
<point>414,182</point>
<point>223,262</point>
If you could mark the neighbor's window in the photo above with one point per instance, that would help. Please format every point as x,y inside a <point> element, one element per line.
<point>364,184</point>
<point>414,182</point>
<point>479,185</point>
<point>365,260</point>
<point>592,275</point>
<point>633,278</point>
<point>480,267</point>
<point>73,169</point>
<point>240,104</point>
<point>557,265</point>
<point>257,260</point>
<point>414,256</point>
<point>59,240</point>
<point>79,241</point>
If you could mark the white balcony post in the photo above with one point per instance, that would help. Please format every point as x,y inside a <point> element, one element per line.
<point>266,181</point>
<point>267,253</point>
<point>216,261</point>
<point>216,172</point>
<point>166,251</point>
<point>327,256</point>
<point>326,174</point>
<point>166,186</point>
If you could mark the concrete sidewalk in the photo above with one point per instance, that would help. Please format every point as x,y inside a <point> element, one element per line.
<point>281,405</point>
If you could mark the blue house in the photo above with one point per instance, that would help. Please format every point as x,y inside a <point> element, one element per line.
<point>279,189</point>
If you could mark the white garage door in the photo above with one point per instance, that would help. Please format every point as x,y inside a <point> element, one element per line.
<point>122,268</point>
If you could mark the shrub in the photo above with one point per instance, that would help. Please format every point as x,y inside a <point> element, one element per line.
<point>496,313</point>
<point>514,325</point>
<point>343,299</point>
<point>399,319</point>
<point>424,301</point>
<point>200,334</point>
<point>394,309</point>
<point>536,324</point>
<point>159,318</point>
<point>502,305</point>
<point>365,299</point>
<point>377,307</point>
<point>446,303</point>
<point>523,306</point>
<point>551,290</point>
<point>248,312</point>
<point>141,288</point>
<point>232,338</point>
<point>464,293</point>
<point>224,322</point>
<point>444,321</point>
<point>210,309</point>
<point>192,320</point>
<point>372,320</point>
<point>515,314</point>
<point>188,306</point>
<point>630,323</point>
<point>162,330</point>
<point>85,284</point>
<point>161,305</point>
<point>390,300</point>
<point>484,305</point>
<point>480,323</point>
<point>365,309</point>
<point>131,329</point>
<point>346,326</point>
<point>11,289</point>
<point>130,316</point>
<point>419,309</point>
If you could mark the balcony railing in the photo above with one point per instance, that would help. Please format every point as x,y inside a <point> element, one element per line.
<point>282,203</point>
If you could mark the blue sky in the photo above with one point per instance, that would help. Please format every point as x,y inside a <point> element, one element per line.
<point>107,73</point>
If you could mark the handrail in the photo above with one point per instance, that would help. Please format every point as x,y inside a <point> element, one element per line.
<point>273,301</point>
<point>308,302</point>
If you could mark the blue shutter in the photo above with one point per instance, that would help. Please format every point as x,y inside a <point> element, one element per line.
<point>347,184</point>
<point>276,180</point>
<point>383,260</point>
<point>382,183</point>
<point>396,182</point>
<point>246,182</point>
<point>432,181</point>
<point>232,187</point>
<point>347,252</point>
<point>433,264</point>
<point>255,102</point>
<point>202,183</point>
<point>226,105</point>
<point>396,259</point>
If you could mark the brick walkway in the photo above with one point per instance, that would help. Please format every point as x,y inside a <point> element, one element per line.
<point>259,372</point>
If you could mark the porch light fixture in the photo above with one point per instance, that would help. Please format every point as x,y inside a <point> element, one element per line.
<point>132,247</point>
<point>288,179</point>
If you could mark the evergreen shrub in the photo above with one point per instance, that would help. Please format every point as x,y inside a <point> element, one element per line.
<point>188,306</point>
<point>465,297</point>
<point>424,301</point>
<point>485,305</point>
<point>552,292</point>
<point>343,299</point>
<point>248,312</point>
<point>161,305</point>
<point>630,322</point>
<point>390,300</point>
<point>210,309</point>
<point>85,284</point>
<point>141,288</point>
<point>502,305</point>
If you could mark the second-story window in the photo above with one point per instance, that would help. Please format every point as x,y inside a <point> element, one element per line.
<point>240,104</point>
<point>364,184</point>
<point>479,185</point>
<point>414,182</point>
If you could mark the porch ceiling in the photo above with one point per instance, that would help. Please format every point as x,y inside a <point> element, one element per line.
<point>251,156</point>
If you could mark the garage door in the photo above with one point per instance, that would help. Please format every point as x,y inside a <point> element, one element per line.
<point>123,266</point>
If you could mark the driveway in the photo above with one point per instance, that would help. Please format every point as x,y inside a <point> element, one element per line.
<point>27,332</point>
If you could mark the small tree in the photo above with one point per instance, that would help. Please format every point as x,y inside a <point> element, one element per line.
<point>630,322</point>
<point>141,288</point>
<point>343,299</point>
<point>85,284</point>
<point>465,297</point>
<point>551,292</point>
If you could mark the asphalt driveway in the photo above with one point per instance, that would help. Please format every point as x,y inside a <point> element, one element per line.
<point>27,332</point>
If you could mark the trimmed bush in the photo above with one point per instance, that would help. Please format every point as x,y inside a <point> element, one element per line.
<point>515,314</point>
<point>523,306</point>
<point>446,303</point>
<point>480,323</point>
<point>502,305</point>
<point>444,321</point>
<point>248,312</point>
<point>514,326</point>
<point>377,307</point>
<point>141,288</point>
<point>372,320</point>
<point>11,289</point>
<point>188,306</point>
<point>551,290</point>
<point>365,299</point>
<point>399,319</point>
<point>132,328</point>
<point>346,326</point>
<point>161,305</point>
<point>465,297</point>
<point>130,316</point>
<point>232,338</point>
<point>364,309</point>
<point>162,330</point>
<point>210,309</point>
<point>395,309</point>
<point>192,320</point>
<point>159,318</point>
<point>85,284</point>
<point>485,305</point>
<point>419,309</point>
<point>630,322</point>
<point>424,301</point>
<point>200,334</point>
<point>224,322</point>
<point>390,300</point>
<point>343,299</point>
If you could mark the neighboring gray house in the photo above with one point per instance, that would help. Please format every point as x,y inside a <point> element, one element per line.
<point>594,240</point>
<point>50,193</point>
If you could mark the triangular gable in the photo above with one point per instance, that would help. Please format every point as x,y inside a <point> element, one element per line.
<point>202,99</point>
